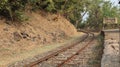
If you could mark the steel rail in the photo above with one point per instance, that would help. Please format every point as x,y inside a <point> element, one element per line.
<point>56,53</point>
<point>80,50</point>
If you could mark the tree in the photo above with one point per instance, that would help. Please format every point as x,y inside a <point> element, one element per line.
<point>98,11</point>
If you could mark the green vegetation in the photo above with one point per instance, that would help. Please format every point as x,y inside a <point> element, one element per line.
<point>73,10</point>
<point>97,51</point>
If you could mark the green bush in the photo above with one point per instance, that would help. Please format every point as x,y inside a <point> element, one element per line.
<point>11,9</point>
<point>8,8</point>
<point>20,16</point>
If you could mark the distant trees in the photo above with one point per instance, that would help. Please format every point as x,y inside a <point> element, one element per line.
<point>73,10</point>
<point>99,10</point>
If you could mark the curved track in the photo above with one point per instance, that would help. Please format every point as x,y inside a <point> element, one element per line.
<point>72,56</point>
<point>66,54</point>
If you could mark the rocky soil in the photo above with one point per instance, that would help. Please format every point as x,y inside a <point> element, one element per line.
<point>41,28</point>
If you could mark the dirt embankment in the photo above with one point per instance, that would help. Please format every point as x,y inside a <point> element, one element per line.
<point>41,28</point>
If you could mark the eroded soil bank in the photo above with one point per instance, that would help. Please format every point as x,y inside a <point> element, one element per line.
<point>41,28</point>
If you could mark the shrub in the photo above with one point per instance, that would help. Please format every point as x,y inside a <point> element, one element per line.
<point>20,16</point>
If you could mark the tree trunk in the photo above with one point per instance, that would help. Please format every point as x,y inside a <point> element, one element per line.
<point>76,24</point>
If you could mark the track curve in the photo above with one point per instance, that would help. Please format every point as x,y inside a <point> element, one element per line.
<point>55,54</point>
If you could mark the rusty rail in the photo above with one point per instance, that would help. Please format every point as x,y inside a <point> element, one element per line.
<point>57,52</point>
<point>70,58</point>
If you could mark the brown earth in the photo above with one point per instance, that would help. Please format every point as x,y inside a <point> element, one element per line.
<point>41,28</point>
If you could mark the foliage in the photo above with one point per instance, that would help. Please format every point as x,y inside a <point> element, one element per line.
<point>8,8</point>
<point>73,10</point>
<point>100,10</point>
<point>20,16</point>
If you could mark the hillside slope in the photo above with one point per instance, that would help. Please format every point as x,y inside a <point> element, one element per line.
<point>42,28</point>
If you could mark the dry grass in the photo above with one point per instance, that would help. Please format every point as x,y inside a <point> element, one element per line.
<point>39,49</point>
<point>18,42</point>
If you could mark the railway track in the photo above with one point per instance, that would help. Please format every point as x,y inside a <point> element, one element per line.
<point>65,55</point>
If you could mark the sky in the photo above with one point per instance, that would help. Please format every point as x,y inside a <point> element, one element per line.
<point>115,2</point>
